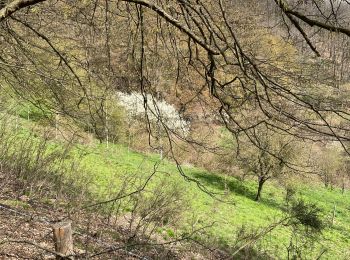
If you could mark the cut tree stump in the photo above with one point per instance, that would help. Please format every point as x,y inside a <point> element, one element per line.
<point>62,236</point>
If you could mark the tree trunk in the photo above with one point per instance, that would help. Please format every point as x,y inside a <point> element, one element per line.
<point>260,186</point>
<point>62,234</point>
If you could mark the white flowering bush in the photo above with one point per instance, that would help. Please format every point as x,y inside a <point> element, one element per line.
<point>134,104</point>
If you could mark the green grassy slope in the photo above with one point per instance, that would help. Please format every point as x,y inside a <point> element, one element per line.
<point>109,165</point>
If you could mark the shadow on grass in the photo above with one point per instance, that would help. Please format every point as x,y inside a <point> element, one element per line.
<point>234,186</point>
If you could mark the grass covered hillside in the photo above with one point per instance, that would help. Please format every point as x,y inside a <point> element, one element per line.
<point>217,210</point>
<point>238,212</point>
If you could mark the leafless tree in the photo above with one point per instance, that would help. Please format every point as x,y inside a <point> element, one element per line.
<point>199,46</point>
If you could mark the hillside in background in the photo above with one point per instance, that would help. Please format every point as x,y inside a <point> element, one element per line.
<point>150,129</point>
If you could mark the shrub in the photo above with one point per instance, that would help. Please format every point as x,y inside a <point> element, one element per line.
<point>308,215</point>
<point>40,166</point>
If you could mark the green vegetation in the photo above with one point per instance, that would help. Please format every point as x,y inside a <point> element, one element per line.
<point>236,214</point>
<point>110,164</point>
<point>216,128</point>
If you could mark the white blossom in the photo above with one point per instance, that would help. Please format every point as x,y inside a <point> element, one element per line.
<point>134,104</point>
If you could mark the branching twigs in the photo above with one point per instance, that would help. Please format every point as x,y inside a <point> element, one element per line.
<point>16,5</point>
<point>175,23</point>
<point>312,22</point>
<point>46,221</point>
<point>185,237</point>
<point>259,235</point>
<point>308,41</point>
<point>202,28</point>
<point>211,27</point>
<point>142,188</point>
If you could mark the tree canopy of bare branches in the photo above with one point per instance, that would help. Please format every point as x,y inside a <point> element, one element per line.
<point>211,50</point>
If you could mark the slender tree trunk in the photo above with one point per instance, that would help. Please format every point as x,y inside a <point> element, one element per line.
<point>260,186</point>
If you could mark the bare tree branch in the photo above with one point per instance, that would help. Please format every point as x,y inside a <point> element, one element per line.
<point>311,22</point>
<point>176,23</point>
<point>14,6</point>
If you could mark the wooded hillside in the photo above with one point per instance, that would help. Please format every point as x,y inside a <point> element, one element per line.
<point>175,129</point>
